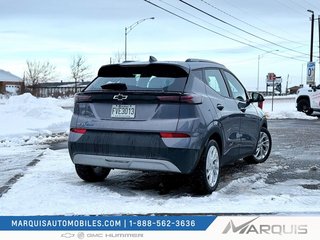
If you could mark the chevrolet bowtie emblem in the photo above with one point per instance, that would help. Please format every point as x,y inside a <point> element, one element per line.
<point>120,97</point>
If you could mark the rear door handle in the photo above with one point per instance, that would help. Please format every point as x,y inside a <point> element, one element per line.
<point>220,106</point>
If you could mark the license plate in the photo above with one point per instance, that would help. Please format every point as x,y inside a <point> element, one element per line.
<point>123,111</point>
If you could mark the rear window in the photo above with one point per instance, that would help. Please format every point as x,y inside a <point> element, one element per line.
<point>152,77</point>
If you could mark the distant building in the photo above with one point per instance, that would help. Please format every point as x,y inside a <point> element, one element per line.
<point>10,84</point>
<point>294,89</point>
<point>56,89</point>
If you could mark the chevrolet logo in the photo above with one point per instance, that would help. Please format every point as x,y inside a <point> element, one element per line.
<point>120,97</point>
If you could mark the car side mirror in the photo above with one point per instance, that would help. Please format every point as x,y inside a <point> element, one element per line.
<point>256,97</point>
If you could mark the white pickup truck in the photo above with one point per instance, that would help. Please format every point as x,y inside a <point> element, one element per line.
<point>308,99</point>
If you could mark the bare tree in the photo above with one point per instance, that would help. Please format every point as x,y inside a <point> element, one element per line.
<point>79,69</point>
<point>38,72</point>
<point>118,57</point>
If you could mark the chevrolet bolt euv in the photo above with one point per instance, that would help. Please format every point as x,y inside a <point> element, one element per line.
<point>188,117</point>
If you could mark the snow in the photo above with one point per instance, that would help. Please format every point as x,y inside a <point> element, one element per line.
<point>25,116</point>
<point>283,107</point>
<point>8,77</point>
<point>52,187</point>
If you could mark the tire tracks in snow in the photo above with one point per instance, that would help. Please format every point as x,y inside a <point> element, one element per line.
<point>8,185</point>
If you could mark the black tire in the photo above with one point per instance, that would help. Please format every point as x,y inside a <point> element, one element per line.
<point>92,174</point>
<point>263,148</point>
<point>203,184</point>
<point>304,106</point>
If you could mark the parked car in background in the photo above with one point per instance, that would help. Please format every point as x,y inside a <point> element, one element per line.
<point>188,117</point>
<point>308,99</point>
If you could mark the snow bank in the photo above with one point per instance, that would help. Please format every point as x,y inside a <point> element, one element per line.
<point>25,116</point>
<point>283,107</point>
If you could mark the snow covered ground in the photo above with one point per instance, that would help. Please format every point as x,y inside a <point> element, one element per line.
<point>283,107</point>
<point>27,125</point>
<point>52,187</point>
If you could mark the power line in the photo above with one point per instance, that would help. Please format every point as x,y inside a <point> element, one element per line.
<point>289,7</point>
<point>298,4</point>
<point>179,9</point>
<point>201,26</point>
<point>258,19</point>
<point>240,29</point>
<point>238,19</point>
<point>220,34</point>
<point>313,6</point>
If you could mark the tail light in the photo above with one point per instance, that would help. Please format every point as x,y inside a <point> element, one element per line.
<point>173,135</point>
<point>78,130</point>
<point>189,98</point>
<point>82,98</point>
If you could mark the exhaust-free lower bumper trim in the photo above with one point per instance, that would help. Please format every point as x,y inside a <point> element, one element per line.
<point>125,163</point>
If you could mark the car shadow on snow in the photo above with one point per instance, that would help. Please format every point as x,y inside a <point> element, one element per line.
<point>133,183</point>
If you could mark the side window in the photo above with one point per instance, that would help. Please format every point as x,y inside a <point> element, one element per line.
<point>216,82</point>
<point>237,89</point>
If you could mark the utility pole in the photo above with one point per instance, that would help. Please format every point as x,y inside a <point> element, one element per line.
<point>311,44</point>
<point>319,45</point>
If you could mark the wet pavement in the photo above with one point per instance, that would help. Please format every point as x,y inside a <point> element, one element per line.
<point>296,147</point>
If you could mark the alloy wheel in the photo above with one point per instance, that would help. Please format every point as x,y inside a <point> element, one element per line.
<point>212,166</point>
<point>263,146</point>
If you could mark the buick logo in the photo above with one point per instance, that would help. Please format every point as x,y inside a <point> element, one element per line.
<point>120,97</point>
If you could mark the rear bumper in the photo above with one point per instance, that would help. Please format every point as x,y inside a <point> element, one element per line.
<point>126,150</point>
<point>125,163</point>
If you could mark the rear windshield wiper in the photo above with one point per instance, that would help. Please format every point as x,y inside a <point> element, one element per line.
<point>114,86</point>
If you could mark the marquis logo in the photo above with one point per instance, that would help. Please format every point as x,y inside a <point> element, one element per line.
<point>250,228</point>
<point>241,228</point>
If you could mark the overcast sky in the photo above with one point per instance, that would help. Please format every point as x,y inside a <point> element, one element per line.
<point>55,31</point>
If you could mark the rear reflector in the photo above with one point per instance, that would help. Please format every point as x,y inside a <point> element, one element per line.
<point>173,135</point>
<point>78,130</point>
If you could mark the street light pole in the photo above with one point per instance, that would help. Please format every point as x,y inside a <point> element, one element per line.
<point>129,29</point>
<point>125,43</point>
<point>259,57</point>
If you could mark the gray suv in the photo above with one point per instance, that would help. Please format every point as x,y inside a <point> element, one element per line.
<point>188,117</point>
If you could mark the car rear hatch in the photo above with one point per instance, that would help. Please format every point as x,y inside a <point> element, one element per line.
<point>129,97</point>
